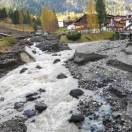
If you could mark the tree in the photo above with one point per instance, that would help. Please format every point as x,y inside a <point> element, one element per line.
<point>21,19</point>
<point>49,20</point>
<point>3,13</point>
<point>101,11</point>
<point>92,15</point>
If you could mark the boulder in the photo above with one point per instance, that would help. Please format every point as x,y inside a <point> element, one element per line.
<point>76,118</point>
<point>19,106</point>
<point>61,76</point>
<point>38,67</point>
<point>56,61</point>
<point>83,58</point>
<point>40,107</point>
<point>76,93</point>
<point>29,113</point>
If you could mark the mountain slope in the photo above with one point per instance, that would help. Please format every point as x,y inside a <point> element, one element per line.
<point>57,5</point>
<point>36,5</point>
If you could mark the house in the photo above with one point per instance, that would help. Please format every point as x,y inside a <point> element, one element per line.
<point>79,24</point>
<point>116,23</point>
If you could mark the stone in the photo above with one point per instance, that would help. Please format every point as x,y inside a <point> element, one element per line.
<point>82,58</point>
<point>42,90</point>
<point>29,113</point>
<point>38,67</point>
<point>19,106</point>
<point>40,107</point>
<point>32,96</point>
<point>23,70</point>
<point>56,61</point>
<point>61,76</point>
<point>76,93</point>
<point>76,118</point>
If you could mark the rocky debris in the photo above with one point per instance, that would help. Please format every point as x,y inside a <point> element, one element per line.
<point>76,93</point>
<point>9,61</point>
<point>76,118</point>
<point>13,125</point>
<point>19,106</point>
<point>32,96</point>
<point>51,43</point>
<point>61,76</point>
<point>120,65</point>
<point>83,58</point>
<point>29,113</point>
<point>37,39</point>
<point>38,67</point>
<point>88,107</point>
<point>23,70</point>
<point>56,61</point>
<point>40,107</point>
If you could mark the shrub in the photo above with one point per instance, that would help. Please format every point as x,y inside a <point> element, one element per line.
<point>74,36</point>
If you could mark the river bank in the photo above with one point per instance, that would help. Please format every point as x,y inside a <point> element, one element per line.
<point>83,89</point>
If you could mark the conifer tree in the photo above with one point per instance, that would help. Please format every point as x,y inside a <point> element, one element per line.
<point>101,11</point>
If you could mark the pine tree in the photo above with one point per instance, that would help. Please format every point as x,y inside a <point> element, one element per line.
<point>92,15</point>
<point>101,11</point>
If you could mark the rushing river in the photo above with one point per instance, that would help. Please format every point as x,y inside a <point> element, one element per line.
<point>14,86</point>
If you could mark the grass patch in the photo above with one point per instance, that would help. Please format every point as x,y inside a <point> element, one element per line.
<point>18,27</point>
<point>90,37</point>
<point>6,42</point>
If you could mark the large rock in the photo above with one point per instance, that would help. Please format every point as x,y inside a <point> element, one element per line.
<point>13,125</point>
<point>19,106</point>
<point>29,113</point>
<point>40,107</point>
<point>76,93</point>
<point>83,58</point>
<point>61,76</point>
<point>9,61</point>
<point>76,118</point>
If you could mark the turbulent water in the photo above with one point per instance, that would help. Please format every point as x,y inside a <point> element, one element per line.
<point>14,86</point>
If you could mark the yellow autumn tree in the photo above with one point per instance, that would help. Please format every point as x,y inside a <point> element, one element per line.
<point>92,15</point>
<point>49,20</point>
<point>21,19</point>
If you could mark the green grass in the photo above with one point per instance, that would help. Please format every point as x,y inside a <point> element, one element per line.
<point>17,27</point>
<point>90,37</point>
<point>6,42</point>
